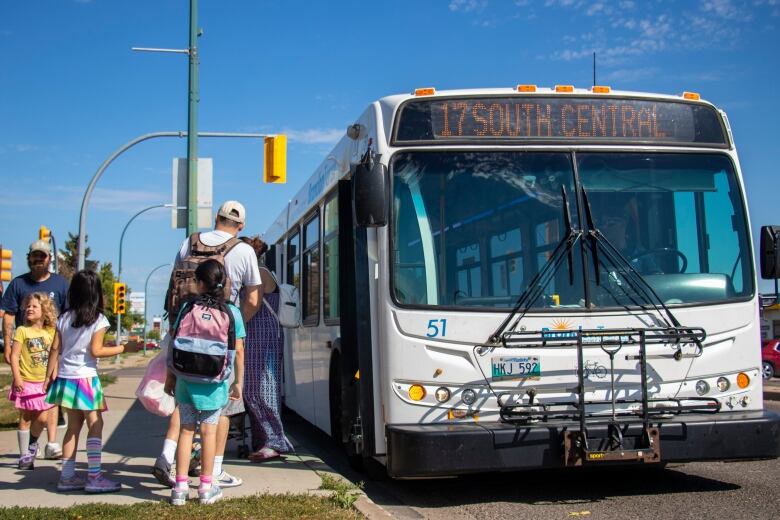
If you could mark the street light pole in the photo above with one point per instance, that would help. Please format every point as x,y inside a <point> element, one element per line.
<point>192,124</point>
<point>146,298</point>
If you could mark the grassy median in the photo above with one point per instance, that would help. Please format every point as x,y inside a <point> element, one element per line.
<point>259,506</point>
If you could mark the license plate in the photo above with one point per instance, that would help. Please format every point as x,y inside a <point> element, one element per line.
<point>516,368</point>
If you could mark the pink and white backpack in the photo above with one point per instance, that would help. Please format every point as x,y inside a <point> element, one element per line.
<point>204,342</point>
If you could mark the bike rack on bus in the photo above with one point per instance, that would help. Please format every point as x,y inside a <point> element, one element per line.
<point>577,448</point>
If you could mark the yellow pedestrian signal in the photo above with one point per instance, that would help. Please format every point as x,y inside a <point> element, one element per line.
<point>5,264</point>
<point>44,233</point>
<point>120,292</point>
<point>275,160</point>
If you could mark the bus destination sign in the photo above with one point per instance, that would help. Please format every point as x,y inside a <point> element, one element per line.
<point>559,119</point>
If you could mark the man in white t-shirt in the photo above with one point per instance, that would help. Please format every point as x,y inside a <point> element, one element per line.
<point>243,272</point>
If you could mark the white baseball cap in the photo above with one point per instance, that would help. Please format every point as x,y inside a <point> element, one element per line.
<point>232,210</point>
<point>42,246</point>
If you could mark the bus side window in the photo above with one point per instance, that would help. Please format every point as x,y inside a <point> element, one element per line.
<point>293,267</point>
<point>330,261</point>
<point>311,271</point>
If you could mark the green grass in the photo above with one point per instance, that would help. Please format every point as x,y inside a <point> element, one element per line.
<point>344,492</point>
<point>258,506</point>
<point>9,416</point>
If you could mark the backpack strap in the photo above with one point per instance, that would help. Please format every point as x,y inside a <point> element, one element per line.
<point>224,307</point>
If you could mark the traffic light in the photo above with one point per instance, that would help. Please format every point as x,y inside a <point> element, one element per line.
<point>275,160</point>
<point>5,264</point>
<point>44,233</point>
<point>120,291</point>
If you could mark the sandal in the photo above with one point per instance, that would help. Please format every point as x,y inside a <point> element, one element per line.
<point>264,454</point>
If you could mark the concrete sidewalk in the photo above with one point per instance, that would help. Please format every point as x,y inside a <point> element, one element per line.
<point>132,439</point>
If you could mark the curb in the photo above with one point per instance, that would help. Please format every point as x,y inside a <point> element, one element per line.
<point>370,509</point>
<point>771,395</point>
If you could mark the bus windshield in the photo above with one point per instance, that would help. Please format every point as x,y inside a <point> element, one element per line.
<point>472,228</point>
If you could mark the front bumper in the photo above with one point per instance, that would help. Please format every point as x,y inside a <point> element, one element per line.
<point>424,450</point>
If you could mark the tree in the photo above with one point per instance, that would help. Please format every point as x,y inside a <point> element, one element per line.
<point>68,264</point>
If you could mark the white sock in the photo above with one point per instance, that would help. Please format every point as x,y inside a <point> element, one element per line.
<point>23,437</point>
<point>218,466</point>
<point>169,450</point>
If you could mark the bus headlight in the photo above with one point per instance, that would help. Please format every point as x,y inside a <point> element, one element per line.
<point>723,384</point>
<point>442,394</point>
<point>416,392</point>
<point>702,387</point>
<point>468,396</point>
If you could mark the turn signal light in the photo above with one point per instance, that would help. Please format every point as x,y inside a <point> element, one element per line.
<point>693,96</point>
<point>427,91</point>
<point>416,393</point>
<point>600,89</point>
<point>743,380</point>
<point>564,88</point>
<point>526,88</point>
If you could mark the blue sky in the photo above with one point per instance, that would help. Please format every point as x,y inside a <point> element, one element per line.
<point>72,91</point>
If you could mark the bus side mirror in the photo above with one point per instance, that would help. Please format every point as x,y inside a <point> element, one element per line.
<point>370,193</point>
<point>770,252</point>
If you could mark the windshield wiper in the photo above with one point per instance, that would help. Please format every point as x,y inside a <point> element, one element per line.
<point>542,278</point>
<point>635,280</point>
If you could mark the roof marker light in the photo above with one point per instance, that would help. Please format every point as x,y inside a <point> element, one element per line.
<point>526,88</point>
<point>564,88</point>
<point>427,91</point>
<point>600,89</point>
<point>693,96</point>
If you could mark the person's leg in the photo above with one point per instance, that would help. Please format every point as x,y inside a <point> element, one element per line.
<point>209,490</point>
<point>96,481</point>
<point>27,440</point>
<point>23,433</point>
<point>220,442</point>
<point>53,449</point>
<point>68,479</point>
<point>162,466</point>
<point>187,419</point>
<point>37,424</point>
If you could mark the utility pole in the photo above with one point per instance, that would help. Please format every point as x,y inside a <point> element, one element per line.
<point>192,123</point>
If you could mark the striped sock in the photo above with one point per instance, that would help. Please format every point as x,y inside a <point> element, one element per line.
<point>94,447</point>
<point>205,482</point>
<point>68,468</point>
<point>182,483</point>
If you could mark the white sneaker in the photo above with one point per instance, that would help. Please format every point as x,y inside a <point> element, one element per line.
<point>53,451</point>
<point>226,480</point>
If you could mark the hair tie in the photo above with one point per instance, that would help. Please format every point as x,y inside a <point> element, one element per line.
<point>219,286</point>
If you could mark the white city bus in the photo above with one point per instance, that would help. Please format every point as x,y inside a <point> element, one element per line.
<point>505,279</point>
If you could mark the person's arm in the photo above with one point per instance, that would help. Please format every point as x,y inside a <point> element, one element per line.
<point>54,361</point>
<point>8,325</point>
<point>251,301</point>
<point>16,354</point>
<point>236,389</point>
<point>99,350</point>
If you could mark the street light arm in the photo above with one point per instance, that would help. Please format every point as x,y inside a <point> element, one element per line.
<point>122,237</point>
<point>88,194</point>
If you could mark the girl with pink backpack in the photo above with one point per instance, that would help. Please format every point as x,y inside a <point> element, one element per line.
<point>207,345</point>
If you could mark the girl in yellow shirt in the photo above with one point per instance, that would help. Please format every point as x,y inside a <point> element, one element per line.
<point>29,360</point>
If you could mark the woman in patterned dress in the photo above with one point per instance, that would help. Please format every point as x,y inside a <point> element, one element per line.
<point>263,369</point>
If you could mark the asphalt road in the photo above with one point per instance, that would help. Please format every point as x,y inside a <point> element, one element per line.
<point>698,490</point>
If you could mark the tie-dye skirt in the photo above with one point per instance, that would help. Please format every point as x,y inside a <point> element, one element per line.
<point>85,393</point>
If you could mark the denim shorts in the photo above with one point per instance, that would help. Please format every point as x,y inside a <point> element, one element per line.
<point>191,415</point>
